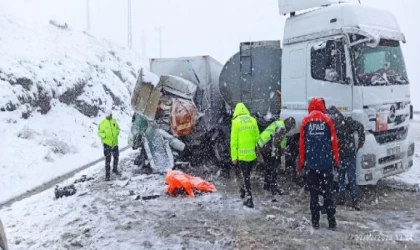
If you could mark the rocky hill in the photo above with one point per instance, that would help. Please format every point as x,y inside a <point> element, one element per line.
<point>55,84</point>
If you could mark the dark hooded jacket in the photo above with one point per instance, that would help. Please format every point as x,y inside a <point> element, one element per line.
<point>345,128</point>
<point>318,140</point>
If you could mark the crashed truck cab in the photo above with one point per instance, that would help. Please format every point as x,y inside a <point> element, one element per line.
<point>177,112</point>
<point>351,55</point>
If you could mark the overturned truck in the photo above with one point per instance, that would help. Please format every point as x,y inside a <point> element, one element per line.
<point>178,113</point>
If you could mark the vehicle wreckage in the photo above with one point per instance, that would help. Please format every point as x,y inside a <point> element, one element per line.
<point>178,111</point>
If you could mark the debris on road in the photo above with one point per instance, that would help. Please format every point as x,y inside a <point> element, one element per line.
<point>147,197</point>
<point>64,191</point>
<point>270,217</point>
<point>179,183</point>
<point>83,178</point>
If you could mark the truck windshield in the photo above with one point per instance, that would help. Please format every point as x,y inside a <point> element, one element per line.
<point>379,66</point>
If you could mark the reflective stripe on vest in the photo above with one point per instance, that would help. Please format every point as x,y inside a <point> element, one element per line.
<point>246,151</point>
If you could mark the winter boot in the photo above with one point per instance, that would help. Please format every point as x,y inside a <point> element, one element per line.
<point>275,191</point>
<point>341,201</point>
<point>356,205</point>
<point>249,203</point>
<point>107,178</point>
<point>116,172</point>
<point>315,225</point>
<point>332,224</point>
<point>242,193</point>
<point>315,218</point>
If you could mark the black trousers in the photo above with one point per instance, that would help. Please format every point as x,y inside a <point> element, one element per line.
<point>272,165</point>
<point>320,182</point>
<point>110,152</point>
<point>246,168</point>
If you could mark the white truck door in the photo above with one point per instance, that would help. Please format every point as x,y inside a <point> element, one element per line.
<point>327,74</point>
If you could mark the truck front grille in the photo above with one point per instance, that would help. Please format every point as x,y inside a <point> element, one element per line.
<point>389,158</point>
<point>390,168</point>
<point>392,135</point>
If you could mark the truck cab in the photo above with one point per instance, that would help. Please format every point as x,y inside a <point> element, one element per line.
<point>351,56</point>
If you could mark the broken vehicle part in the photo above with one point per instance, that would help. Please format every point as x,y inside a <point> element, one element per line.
<point>64,191</point>
<point>176,116</point>
<point>83,178</point>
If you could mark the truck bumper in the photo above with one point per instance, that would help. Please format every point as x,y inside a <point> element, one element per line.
<point>377,161</point>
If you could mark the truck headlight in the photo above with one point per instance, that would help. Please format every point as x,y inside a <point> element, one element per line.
<point>411,149</point>
<point>368,161</point>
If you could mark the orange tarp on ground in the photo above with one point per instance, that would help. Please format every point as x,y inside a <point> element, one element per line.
<point>178,180</point>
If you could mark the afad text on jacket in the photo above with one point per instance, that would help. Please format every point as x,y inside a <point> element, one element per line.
<point>318,139</point>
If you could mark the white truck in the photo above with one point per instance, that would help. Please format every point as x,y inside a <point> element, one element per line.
<point>351,56</point>
<point>348,54</point>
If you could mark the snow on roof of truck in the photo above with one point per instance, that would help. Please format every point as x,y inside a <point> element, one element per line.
<point>337,17</point>
<point>150,77</point>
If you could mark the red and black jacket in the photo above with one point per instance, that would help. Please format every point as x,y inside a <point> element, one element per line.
<point>318,140</point>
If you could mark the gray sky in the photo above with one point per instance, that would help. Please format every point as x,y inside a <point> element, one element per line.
<point>199,27</point>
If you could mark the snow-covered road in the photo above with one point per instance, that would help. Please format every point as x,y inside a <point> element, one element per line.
<point>106,216</point>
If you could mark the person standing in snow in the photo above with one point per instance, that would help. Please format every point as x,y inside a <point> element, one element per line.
<point>271,152</point>
<point>346,127</point>
<point>109,131</point>
<point>243,140</point>
<point>319,154</point>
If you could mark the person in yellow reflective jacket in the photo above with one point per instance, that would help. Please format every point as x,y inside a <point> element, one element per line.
<point>271,145</point>
<point>243,140</point>
<point>109,131</point>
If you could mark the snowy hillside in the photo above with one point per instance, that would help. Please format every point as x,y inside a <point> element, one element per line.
<point>55,84</point>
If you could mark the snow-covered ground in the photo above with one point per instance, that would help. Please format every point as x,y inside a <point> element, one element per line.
<point>50,105</point>
<point>107,216</point>
<point>46,146</point>
<point>55,85</point>
<point>412,177</point>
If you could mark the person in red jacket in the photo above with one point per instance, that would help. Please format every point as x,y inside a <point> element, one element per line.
<point>319,155</point>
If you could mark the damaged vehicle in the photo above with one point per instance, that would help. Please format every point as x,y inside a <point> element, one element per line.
<point>178,111</point>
